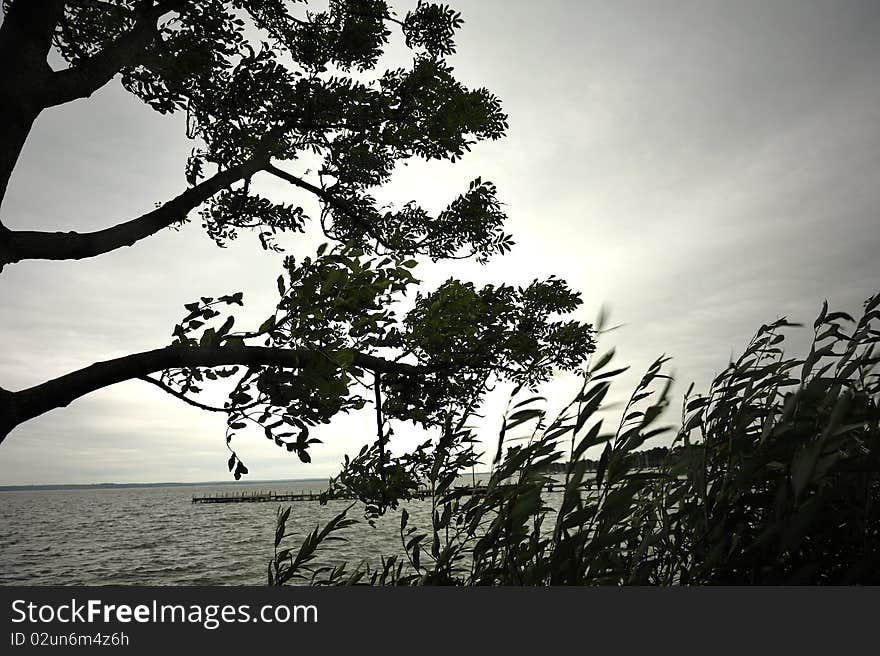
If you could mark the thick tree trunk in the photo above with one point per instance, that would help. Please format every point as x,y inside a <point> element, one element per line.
<point>7,413</point>
<point>28,85</point>
<point>16,120</point>
<point>25,40</point>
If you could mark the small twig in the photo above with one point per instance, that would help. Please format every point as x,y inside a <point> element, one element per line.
<point>173,392</point>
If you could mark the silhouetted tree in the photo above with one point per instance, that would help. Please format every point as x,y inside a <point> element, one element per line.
<point>267,85</point>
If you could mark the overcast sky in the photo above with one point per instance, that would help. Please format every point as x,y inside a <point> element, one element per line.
<point>701,167</point>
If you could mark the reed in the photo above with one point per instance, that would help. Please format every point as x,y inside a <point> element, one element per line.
<point>773,477</point>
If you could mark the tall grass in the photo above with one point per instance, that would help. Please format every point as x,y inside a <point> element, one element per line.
<point>773,477</point>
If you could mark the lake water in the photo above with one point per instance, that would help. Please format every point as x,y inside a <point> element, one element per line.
<point>157,536</point>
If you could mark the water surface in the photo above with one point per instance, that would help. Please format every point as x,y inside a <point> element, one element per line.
<point>157,536</point>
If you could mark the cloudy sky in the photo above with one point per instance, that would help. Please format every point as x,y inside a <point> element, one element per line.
<point>700,167</point>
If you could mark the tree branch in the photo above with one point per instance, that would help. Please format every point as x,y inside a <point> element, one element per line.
<point>19,407</point>
<point>336,203</point>
<point>380,429</point>
<point>26,33</point>
<point>35,245</point>
<point>82,80</point>
<point>201,406</point>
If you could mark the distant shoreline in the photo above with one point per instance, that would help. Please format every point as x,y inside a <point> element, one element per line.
<point>114,486</point>
<point>119,486</point>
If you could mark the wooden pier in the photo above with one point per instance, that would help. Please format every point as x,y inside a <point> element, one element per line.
<point>257,497</point>
<point>260,497</point>
<point>270,496</point>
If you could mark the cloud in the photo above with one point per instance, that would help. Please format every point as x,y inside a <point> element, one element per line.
<point>701,166</point>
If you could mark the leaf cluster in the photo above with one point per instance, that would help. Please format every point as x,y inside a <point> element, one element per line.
<point>342,306</point>
<point>263,80</point>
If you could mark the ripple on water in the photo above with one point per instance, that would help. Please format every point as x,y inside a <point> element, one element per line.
<point>156,536</point>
